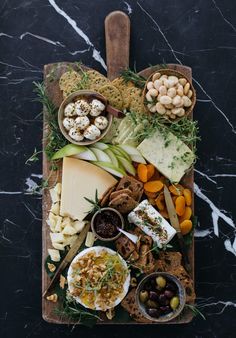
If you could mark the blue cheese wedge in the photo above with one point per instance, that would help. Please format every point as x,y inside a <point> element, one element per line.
<point>150,221</point>
<point>168,154</point>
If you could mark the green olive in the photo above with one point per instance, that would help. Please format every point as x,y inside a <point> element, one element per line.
<point>143,296</point>
<point>151,304</point>
<point>174,302</point>
<point>161,282</point>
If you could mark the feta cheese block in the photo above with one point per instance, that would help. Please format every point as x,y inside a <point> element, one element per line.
<point>168,154</point>
<point>150,221</point>
<point>81,179</point>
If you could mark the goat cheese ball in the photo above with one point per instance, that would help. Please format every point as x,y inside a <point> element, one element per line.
<point>101,122</point>
<point>97,107</point>
<point>81,122</point>
<point>92,132</point>
<point>75,134</point>
<point>68,123</point>
<point>69,110</point>
<point>82,108</point>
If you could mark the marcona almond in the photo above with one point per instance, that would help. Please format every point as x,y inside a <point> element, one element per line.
<point>187,101</point>
<point>163,90</point>
<point>165,99</point>
<point>157,84</point>
<point>186,88</point>
<point>150,85</point>
<point>156,76</point>
<point>182,81</point>
<point>148,97</point>
<point>169,106</point>
<point>171,92</point>
<point>160,108</point>
<point>153,92</point>
<point>176,100</point>
<point>190,94</point>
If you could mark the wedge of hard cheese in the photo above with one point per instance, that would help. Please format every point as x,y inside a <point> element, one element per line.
<point>81,179</point>
<point>168,154</point>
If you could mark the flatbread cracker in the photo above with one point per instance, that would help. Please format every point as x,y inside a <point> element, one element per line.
<point>136,100</point>
<point>69,78</point>
<point>113,95</point>
<point>123,87</point>
<point>96,80</point>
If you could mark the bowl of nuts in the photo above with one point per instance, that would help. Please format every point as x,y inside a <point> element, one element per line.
<point>160,297</point>
<point>169,94</point>
<point>83,117</point>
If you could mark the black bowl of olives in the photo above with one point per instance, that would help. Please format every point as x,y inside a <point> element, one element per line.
<point>160,297</point>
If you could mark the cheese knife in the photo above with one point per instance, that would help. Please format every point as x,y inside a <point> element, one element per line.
<point>68,258</point>
<point>175,224</point>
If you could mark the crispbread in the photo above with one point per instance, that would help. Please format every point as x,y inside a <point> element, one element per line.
<point>119,192</point>
<point>136,101</point>
<point>123,87</point>
<point>69,78</point>
<point>132,184</point>
<point>96,80</point>
<point>123,203</point>
<point>113,95</point>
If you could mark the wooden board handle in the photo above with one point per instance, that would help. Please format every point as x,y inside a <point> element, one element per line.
<point>117,33</point>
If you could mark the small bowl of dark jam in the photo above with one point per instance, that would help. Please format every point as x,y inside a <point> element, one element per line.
<point>105,224</point>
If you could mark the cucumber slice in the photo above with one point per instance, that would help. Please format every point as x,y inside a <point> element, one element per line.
<point>120,152</point>
<point>138,159</point>
<point>130,150</point>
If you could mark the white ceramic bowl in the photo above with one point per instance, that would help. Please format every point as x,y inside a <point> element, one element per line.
<point>97,250</point>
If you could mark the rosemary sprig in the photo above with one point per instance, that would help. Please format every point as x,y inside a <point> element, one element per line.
<point>55,139</point>
<point>75,312</point>
<point>195,310</point>
<point>95,204</point>
<point>34,157</point>
<point>130,75</point>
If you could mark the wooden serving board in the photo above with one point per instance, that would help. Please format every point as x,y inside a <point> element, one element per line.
<point>117,32</point>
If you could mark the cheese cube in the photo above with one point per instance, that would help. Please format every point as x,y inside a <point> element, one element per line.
<point>54,255</point>
<point>58,246</point>
<point>69,230</point>
<point>78,225</point>
<point>55,208</point>
<point>168,154</point>
<point>57,237</point>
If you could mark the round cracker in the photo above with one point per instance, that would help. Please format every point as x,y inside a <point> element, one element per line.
<point>113,95</point>
<point>96,80</point>
<point>136,100</point>
<point>123,87</point>
<point>69,78</point>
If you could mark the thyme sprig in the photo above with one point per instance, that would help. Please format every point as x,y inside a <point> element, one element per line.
<point>34,157</point>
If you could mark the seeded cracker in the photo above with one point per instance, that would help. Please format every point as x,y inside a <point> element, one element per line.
<point>136,102</point>
<point>69,78</point>
<point>123,87</point>
<point>113,95</point>
<point>96,80</point>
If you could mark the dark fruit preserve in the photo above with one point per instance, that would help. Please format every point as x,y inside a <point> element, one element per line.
<point>106,223</point>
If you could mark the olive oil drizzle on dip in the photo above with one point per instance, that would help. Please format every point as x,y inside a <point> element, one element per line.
<point>98,279</point>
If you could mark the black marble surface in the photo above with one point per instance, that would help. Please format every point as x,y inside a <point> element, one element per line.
<point>201,34</point>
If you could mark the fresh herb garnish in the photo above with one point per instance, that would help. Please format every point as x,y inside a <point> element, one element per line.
<point>130,75</point>
<point>76,313</point>
<point>195,310</point>
<point>34,157</point>
<point>95,203</point>
<point>55,139</point>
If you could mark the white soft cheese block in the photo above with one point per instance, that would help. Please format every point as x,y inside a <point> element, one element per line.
<point>81,179</point>
<point>150,221</point>
<point>168,154</point>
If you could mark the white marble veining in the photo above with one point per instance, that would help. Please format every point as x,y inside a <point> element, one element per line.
<point>96,54</point>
